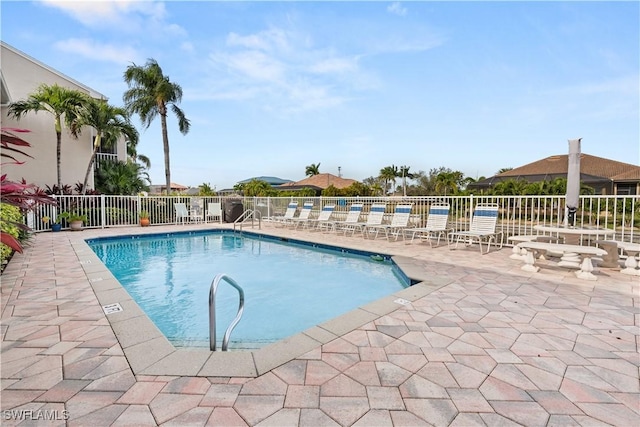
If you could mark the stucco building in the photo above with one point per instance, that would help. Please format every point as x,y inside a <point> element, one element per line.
<point>20,75</point>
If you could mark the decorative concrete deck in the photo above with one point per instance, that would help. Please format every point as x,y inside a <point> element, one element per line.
<point>481,343</point>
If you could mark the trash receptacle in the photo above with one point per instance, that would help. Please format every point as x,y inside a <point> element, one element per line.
<point>232,210</point>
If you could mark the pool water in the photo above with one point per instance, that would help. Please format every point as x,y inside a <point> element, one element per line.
<point>289,287</point>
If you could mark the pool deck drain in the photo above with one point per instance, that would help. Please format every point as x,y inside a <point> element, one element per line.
<point>481,343</point>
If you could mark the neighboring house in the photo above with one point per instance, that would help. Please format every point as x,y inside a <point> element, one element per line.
<point>318,182</point>
<point>160,189</point>
<point>20,76</point>
<point>605,176</point>
<point>271,180</point>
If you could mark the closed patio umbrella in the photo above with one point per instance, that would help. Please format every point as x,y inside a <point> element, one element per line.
<point>573,182</point>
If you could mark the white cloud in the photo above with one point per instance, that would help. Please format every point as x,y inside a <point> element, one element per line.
<point>397,8</point>
<point>334,65</point>
<point>108,13</point>
<point>100,52</point>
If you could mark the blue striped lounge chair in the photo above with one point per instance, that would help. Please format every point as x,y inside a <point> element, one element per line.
<point>353,216</point>
<point>436,225</point>
<point>375,217</point>
<point>288,214</point>
<point>324,216</point>
<point>399,221</point>
<point>302,217</point>
<point>482,228</point>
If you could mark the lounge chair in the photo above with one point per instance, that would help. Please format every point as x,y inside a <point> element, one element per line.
<point>436,225</point>
<point>353,216</point>
<point>214,210</point>
<point>324,216</point>
<point>375,217</point>
<point>399,221</point>
<point>482,228</point>
<point>288,214</point>
<point>182,213</point>
<point>302,217</point>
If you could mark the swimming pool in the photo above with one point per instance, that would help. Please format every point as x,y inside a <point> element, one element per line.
<point>289,286</point>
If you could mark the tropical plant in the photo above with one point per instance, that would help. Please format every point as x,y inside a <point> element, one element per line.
<point>388,175</point>
<point>126,178</point>
<point>205,189</point>
<point>110,124</point>
<point>312,169</point>
<point>259,188</point>
<point>150,94</point>
<point>450,180</point>
<point>144,214</point>
<point>61,102</point>
<point>503,170</point>
<point>72,216</point>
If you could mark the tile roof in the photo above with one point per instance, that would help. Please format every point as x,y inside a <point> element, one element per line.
<point>590,165</point>
<point>322,180</point>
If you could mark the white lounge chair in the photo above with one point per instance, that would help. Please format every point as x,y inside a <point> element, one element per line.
<point>288,214</point>
<point>482,228</point>
<point>324,216</point>
<point>400,220</point>
<point>436,225</point>
<point>182,214</point>
<point>375,217</point>
<point>302,217</point>
<point>214,210</point>
<point>353,216</point>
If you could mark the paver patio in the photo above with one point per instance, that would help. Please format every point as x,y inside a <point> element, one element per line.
<point>488,345</point>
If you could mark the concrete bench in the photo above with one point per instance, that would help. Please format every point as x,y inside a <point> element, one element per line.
<point>520,253</point>
<point>631,264</point>
<point>574,256</point>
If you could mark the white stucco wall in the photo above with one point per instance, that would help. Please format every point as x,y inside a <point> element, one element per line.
<point>22,76</point>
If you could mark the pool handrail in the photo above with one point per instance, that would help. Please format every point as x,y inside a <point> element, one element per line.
<point>212,311</point>
<point>249,213</point>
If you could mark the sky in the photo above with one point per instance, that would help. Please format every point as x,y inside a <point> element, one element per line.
<point>272,87</point>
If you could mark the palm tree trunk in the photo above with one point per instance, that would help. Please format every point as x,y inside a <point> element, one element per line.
<point>96,146</point>
<point>58,156</point>
<point>165,143</point>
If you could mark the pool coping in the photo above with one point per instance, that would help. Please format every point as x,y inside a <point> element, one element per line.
<point>149,352</point>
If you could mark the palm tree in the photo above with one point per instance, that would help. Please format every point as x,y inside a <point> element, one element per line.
<point>404,174</point>
<point>150,93</point>
<point>389,174</point>
<point>125,178</point>
<point>110,123</point>
<point>312,169</point>
<point>448,181</point>
<point>61,102</point>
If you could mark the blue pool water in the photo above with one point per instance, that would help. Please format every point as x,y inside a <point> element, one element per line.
<point>288,287</point>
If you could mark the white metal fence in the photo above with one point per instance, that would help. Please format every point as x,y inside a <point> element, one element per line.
<point>518,214</point>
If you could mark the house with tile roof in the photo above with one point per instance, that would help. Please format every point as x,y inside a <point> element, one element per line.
<point>318,182</point>
<point>20,75</point>
<point>605,176</point>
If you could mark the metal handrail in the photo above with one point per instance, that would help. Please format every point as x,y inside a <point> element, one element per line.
<point>249,213</point>
<point>212,311</point>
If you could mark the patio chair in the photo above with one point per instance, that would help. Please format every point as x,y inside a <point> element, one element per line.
<point>353,216</point>
<point>436,225</point>
<point>195,210</point>
<point>302,217</point>
<point>324,216</point>
<point>399,221</point>
<point>482,228</point>
<point>182,213</point>
<point>288,214</point>
<point>375,217</point>
<point>214,210</point>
